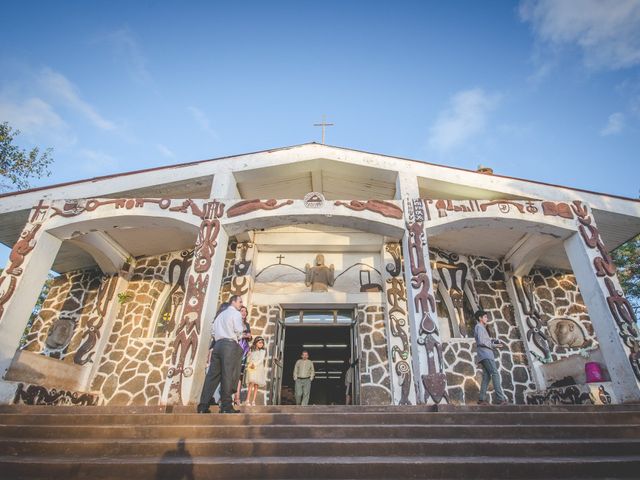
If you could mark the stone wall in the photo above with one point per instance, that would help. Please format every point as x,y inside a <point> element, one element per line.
<point>69,304</point>
<point>563,313</point>
<point>375,381</point>
<point>263,320</point>
<point>134,365</point>
<point>485,283</point>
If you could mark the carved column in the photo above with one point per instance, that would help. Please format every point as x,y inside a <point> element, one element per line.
<point>610,312</point>
<point>21,282</point>
<point>428,364</point>
<point>97,329</point>
<point>193,334</point>
<point>529,320</point>
<point>242,281</point>
<point>403,389</point>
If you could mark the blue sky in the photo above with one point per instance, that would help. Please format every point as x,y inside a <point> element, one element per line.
<point>545,90</point>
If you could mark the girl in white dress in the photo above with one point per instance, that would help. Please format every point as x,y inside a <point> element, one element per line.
<point>256,373</point>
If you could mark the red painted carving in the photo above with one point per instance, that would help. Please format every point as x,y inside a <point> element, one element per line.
<point>395,295</point>
<point>213,209</point>
<point>21,249</point>
<point>73,208</point>
<point>444,207</point>
<point>553,209</point>
<point>248,206</point>
<point>603,264</point>
<point>206,245</point>
<point>91,334</point>
<point>504,206</point>
<point>386,209</point>
<point>5,295</point>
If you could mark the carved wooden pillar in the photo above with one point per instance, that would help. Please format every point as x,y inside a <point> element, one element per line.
<point>21,282</point>
<point>193,335</point>
<point>398,333</point>
<point>428,364</point>
<point>610,312</point>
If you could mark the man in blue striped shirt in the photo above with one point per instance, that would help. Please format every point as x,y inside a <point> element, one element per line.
<point>486,358</point>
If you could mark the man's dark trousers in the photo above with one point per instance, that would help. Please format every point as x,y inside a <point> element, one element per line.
<point>224,370</point>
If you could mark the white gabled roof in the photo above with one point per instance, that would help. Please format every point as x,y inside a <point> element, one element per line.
<point>340,172</point>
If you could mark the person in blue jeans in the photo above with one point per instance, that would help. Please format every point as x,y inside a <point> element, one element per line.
<point>486,347</point>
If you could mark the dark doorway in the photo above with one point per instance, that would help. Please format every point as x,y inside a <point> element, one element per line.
<point>329,349</point>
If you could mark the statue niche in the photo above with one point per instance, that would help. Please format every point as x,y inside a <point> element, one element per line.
<point>319,277</point>
<point>60,334</point>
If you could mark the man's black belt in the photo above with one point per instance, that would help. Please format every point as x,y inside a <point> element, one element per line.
<point>303,378</point>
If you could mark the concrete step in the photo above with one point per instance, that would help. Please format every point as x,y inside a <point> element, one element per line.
<point>178,464</point>
<point>337,431</point>
<point>320,442</point>
<point>31,409</point>
<point>352,418</point>
<point>283,447</point>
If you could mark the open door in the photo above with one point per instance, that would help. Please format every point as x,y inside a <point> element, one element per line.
<point>277,362</point>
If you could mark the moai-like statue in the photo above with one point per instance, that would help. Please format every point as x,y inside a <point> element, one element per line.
<point>319,277</point>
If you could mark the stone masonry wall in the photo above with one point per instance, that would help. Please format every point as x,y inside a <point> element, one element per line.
<point>134,365</point>
<point>487,284</point>
<point>375,381</point>
<point>71,296</point>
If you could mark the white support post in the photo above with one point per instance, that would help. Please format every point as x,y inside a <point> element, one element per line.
<point>407,186</point>
<point>610,313</point>
<point>224,186</point>
<point>535,354</point>
<point>428,363</point>
<point>20,285</point>
<point>193,335</point>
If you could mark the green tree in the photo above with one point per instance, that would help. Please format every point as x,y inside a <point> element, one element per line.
<point>44,293</point>
<point>627,259</point>
<point>18,165</point>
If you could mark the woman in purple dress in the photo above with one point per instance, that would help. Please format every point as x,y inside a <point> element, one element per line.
<point>245,343</point>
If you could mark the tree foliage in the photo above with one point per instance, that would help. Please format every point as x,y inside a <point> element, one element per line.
<point>627,259</point>
<point>18,165</point>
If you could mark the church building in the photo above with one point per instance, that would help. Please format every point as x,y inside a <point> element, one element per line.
<point>369,262</point>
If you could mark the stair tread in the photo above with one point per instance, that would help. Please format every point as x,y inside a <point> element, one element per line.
<point>425,459</point>
<point>523,440</point>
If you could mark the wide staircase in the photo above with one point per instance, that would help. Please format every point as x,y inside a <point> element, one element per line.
<point>320,442</point>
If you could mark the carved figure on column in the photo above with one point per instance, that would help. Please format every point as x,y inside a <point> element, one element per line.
<point>319,277</point>
<point>21,249</point>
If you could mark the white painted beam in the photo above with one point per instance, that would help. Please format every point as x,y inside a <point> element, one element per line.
<point>108,254</point>
<point>524,254</point>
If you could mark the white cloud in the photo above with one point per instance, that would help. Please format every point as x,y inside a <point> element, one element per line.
<point>164,150</point>
<point>38,121</point>
<point>465,117</point>
<point>60,87</point>
<point>202,121</point>
<point>607,31</point>
<point>128,51</point>
<point>97,162</point>
<point>615,124</point>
